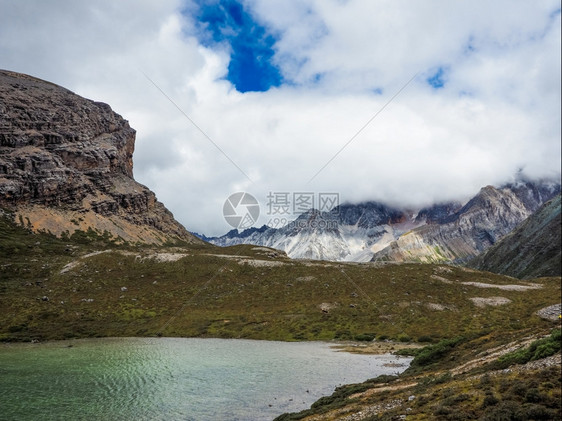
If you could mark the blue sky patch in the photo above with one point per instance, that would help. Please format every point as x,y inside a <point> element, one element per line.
<point>437,79</point>
<point>251,67</point>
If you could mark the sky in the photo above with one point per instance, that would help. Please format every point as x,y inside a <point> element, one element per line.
<point>404,102</point>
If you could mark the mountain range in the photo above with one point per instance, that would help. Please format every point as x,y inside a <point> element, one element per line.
<point>373,231</point>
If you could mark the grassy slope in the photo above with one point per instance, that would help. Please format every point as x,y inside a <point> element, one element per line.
<point>468,379</point>
<point>221,293</point>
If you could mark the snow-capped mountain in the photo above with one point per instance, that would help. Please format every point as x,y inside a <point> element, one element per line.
<point>374,231</point>
<point>346,233</point>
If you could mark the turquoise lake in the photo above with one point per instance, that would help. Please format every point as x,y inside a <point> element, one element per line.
<point>175,378</point>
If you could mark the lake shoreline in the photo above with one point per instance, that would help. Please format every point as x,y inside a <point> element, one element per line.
<point>354,347</point>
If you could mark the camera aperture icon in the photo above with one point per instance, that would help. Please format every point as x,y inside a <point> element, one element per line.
<point>241,210</point>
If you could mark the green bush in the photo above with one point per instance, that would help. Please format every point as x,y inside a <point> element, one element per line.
<point>539,349</point>
<point>425,338</point>
<point>383,378</point>
<point>433,353</point>
<point>365,337</point>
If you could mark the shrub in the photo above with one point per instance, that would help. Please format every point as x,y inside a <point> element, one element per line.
<point>489,400</point>
<point>505,410</point>
<point>383,378</point>
<point>433,353</point>
<point>366,337</point>
<point>539,349</point>
<point>425,338</point>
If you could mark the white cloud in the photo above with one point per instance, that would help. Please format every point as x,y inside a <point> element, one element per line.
<point>499,110</point>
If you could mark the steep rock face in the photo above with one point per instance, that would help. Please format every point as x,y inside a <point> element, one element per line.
<point>479,224</point>
<point>531,250</point>
<point>438,213</point>
<point>66,163</point>
<point>313,235</point>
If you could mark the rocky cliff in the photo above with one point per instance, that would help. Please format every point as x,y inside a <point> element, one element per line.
<point>66,164</point>
<point>484,220</point>
<point>531,250</point>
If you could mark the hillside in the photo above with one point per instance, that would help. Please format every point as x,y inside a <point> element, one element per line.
<point>529,251</point>
<point>86,286</point>
<point>66,164</point>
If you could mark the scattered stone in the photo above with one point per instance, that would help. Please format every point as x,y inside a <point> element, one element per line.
<point>443,269</point>
<point>490,301</point>
<point>440,278</point>
<point>44,298</point>
<point>440,307</point>
<point>260,263</point>
<point>326,307</point>
<point>167,257</point>
<point>504,287</point>
<point>551,313</point>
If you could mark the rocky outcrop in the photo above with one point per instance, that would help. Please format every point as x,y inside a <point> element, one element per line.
<point>531,250</point>
<point>485,219</point>
<point>66,164</point>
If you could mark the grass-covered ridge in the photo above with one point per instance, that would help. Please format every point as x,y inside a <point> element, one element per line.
<point>87,286</point>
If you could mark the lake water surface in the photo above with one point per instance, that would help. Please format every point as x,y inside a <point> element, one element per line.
<point>174,378</point>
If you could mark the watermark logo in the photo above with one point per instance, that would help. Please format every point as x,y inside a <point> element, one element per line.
<point>284,207</point>
<point>241,210</point>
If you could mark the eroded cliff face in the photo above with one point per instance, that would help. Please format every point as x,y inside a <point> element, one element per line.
<point>66,163</point>
<point>531,250</point>
<point>484,220</point>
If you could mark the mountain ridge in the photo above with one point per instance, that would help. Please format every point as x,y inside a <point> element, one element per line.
<point>375,231</point>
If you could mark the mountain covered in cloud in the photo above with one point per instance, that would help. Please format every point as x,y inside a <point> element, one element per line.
<point>531,250</point>
<point>346,233</point>
<point>479,224</point>
<point>444,232</point>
